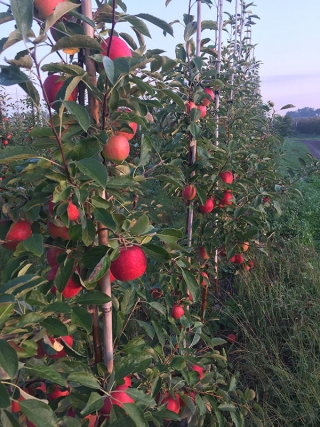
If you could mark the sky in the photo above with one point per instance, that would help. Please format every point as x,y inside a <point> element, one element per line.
<point>287,39</point>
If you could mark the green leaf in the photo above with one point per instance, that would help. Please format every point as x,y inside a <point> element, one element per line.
<point>54,327</point>
<point>109,68</point>
<point>119,182</point>
<point>137,24</point>
<point>156,252</point>
<point>192,284</point>
<point>22,284</point>
<point>209,25</point>
<point>64,273</point>
<point>141,397</point>
<point>31,91</point>
<point>29,319</point>
<point>57,307</point>
<point>146,147</point>
<point>106,219</point>
<point>93,256</point>
<point>4,397</point>
<point>195,129</point>
<point>170,235</point>
<point>81,317</point>
<point>88,231</point>
<point>99,270</point>
<point>46,372</point>
<point>34,244</point>
<point>7,303</point>
<point>158,22</point>
<point>147,327</point>
<point>82,378</point>
<point>178,363</point>
<point>8,420</point>
<point>79,112</point>
<point>142,226</point>
<point>285,107</point>
<point>11,75</point>
<point>197,60</point>
<point>13,154</point>
<point>172,95</point>
<point>94,403</point>
<point>78,40</point>
<point>136,414</point>
<point>94,170</point>
<point>39,413</point>
<point>93,297</point>
<point>8,360</point>
<point>189,30</point>
<point>229,407</point>
<point>23,14</point>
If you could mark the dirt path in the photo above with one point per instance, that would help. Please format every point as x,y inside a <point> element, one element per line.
<point>313,146</point>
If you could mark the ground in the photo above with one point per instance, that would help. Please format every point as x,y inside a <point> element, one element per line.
<point>313,146</point>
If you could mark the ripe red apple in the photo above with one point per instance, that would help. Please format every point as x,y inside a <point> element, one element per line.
<point>63,340</point>
<point>173,403</point>
<point>15,407</point>
<point>53,84</point>
<point>73,212</point>
<point>247,267</point>
<point>206,101</point>
<point>126,384</point>
<point>128,135</point>
<point>40,351</point>
<point>189,192</point>
<point>231,338</point>
<point>222,252</point>
<point>227,196</point>
<point>9,136</point>
<point>226,177</point>
<point>131,264</point>
<point>198,369</point>
<point>232,259</point>
<point>245,246</point>
<point>208,206</point>
<point>5,142</point>
<point>55,231</point>
<point>205,281</point>
<point>203,110</point>
<point>29,423</point>
<point>203,253</point>
<point>57,392</point>
<point>52,254</point>
<point>265,200</point>
<point>117,148</point>
<point>177,311</point>
<point>238,259</point>
<point>118,397</point>
<point>18,232</point>
<point>92,420</point>
<point>189,106</point>
<point>119,48</point>
<point>71,289</point>
<point>251,263</point>
<point>44,8</point>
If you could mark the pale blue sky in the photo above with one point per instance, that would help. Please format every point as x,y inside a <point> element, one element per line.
<point>287,37</point>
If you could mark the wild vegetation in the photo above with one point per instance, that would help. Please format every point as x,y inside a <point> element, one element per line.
<point>141,207</point>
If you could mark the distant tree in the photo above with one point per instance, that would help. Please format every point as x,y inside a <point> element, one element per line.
<point>304,112</point>
<point>283,125</point>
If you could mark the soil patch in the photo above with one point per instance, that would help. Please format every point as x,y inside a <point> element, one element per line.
<point>313,146</point>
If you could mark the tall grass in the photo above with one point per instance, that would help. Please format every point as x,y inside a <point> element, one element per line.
<point>276,310</point>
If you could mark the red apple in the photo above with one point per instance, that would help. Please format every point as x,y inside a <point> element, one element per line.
<point>63,340</point>
<point>226,177</point>
<point>5,142</point>
<point>210,92</point>
<point>198,369</point>
<point>227,196</point>
<point>189,106</point>
<point>118,397</point>
<point>232,259</point>
<point>117,148</point>
<point>177,311</point>
<point>251,263</point>
<point>56,393</point>
<point>203,253</point>
<point>9,136</point>
<point>222,252</point>
<point>52,254</point>
<point>71,289</point>
<point>208,206</point>
<point>231,338</point>
<point>126,384</point>
<point>15,407</point>
<point>245,246</point>
<point>73,212</point>
<point>29,423</point>
<point>92,420</point>
<point>53,84</point>
<point>119,48</point>
<point>189,192</point>
<point>131,264</point>
<point>203,110</point>
<point>18,232</point>
<point>128,135</point>
<point>173,403</point>
<point>44,8</point>
<point>204,281</point>
<point>55,231</point>
<point>238,259</point>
